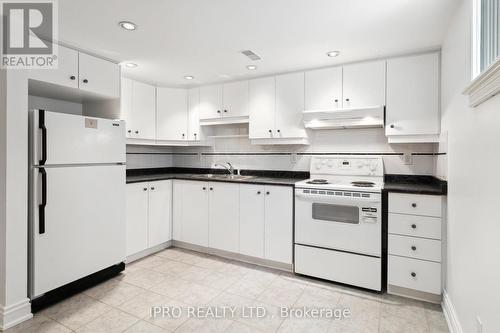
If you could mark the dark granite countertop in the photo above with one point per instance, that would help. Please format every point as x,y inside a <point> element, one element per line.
<point>416,184</point>
<point>263,177</point>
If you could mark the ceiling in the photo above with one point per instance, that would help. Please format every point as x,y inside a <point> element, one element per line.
<point>204,38</point>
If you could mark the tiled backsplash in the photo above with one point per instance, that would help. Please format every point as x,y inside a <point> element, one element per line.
<point>243,155</point>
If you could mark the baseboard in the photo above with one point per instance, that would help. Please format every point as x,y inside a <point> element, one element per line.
<point>234,256</point>
<point>144,253</point>
<point>450,314</point>
<point>15,314</point>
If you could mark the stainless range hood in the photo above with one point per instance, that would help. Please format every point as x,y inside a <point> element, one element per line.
<point>367,117</point>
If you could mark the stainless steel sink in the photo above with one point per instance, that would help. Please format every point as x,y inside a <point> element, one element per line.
<point>225,176</point>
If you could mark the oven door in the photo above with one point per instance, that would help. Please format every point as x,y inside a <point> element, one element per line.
<point>338,223</point>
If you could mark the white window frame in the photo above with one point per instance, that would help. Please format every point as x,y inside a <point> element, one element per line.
<point>484,84</point>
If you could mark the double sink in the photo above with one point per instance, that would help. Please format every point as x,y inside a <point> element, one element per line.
<point>223,176</point>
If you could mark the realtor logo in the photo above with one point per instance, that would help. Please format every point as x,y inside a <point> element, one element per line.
<point>28,32</point>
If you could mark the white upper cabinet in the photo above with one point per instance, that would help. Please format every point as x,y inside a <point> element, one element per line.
<point>262,106</point>
<point>194,133</point>
<point>235,99</point>
<point>323,89</point>
<point>138,109</point>
<point>210,102</point>
<point>172,114</point>
<point>413,96</point>
<point>289,106</point>
<point>364,84</point>
<point>66,73</point>
<point>99,76</point>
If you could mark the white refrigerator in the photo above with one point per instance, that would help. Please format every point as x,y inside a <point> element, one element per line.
<point>77,198</point>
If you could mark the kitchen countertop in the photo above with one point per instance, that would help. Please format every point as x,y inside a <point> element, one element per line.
<point>260,177</point>
<point>416,184</point>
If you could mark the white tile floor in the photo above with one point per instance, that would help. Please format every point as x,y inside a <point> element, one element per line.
<point>186,279</point>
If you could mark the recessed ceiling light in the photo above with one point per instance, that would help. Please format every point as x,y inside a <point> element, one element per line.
<point>251,67</point>
<point>127,25</point>
<point>130,65</point>
<point>189,77</point>
<point>333,54</point>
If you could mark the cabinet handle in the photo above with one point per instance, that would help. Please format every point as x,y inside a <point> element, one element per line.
<point>278,131</point>
<point>268,192</point>
<point>211,189</point>
<point>136,132</point>
<point>392,126</point>
<point>413,274</point>
<point>129,131</point>
<point>152,188</point>
<point>195,136</point>
<point>183,135</point>
<point>145,189</point>
<point>218,111</point>
<point>414,205</point>
<point>414,248</point>
<point>414,226</point>
<point>85,81</point>
<point>270,131</point>
<point>72,77</point>
<point>347,99</point>
<point>204,188</point>
<point>258,192</point>
<point>225,111</point>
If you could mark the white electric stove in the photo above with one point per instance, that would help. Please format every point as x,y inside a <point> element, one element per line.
<point>338,220</point>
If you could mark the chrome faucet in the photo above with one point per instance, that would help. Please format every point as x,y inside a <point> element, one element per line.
<point>226,165</point>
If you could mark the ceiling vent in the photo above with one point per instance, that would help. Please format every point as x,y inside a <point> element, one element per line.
<point>251,55</point>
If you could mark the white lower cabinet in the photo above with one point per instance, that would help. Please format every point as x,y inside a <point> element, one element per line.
<point>414,246</point>
<point>149,215</point>
<point>253,220</point>
<point>224,213</point>
<point>279,224</point>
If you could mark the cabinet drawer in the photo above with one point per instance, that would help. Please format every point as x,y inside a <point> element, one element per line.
<point>414,225</point>
<point>415,204</point>
<point>415,274</point>
<point>419,248</point>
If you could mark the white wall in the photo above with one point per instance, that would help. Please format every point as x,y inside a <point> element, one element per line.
<point>473,250</point>
<point>325,141</point>
<point>55,105</point>
<point>143,157</point>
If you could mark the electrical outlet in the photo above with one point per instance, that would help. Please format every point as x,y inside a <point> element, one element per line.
<point>479,325</point>
<point>293,158</point>
<point>408,158</point>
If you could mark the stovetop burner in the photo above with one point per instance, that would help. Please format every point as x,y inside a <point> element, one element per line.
<point>362,184</point>
<point>318,181</point>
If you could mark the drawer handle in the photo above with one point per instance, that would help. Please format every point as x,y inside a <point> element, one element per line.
<point>413,274</point>
<point>414,205</point>
<point>258,192</point>
<point>414,248</point>
<point>145,189</point>
<point>152,188</point>
<point>414,226</point>
<point>204,188</point>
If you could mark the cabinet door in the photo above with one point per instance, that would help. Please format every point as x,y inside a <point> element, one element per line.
<point>235,99</point>
<point>126,112</point>
<point>289,106</point>
<point>66,73</point>
<point>194,114</point>
<point>279,221</point>
<point>137,217</point>
<point>143,111</point>
<point>323,89</point>
<point>413,95</point>
<point>171,114</point>
<point>262,107</point>
<point>210,102</point>
<point>160,212</point>
<point>224,212</point>
<point>364,84</point>
<point>194,211</point>
<point>252,217</point>
<point>99,76</point>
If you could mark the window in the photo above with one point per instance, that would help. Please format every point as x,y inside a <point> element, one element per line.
<point>487,34</point>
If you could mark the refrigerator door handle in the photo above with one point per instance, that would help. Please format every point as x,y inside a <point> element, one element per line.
<point>41,206</point>
<point>41,125</point>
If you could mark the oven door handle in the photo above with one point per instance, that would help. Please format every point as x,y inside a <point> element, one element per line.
<point>353,201</point>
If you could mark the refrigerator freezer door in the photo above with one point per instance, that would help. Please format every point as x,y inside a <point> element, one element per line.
<point>63,139</point>
<point>84,223</point>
